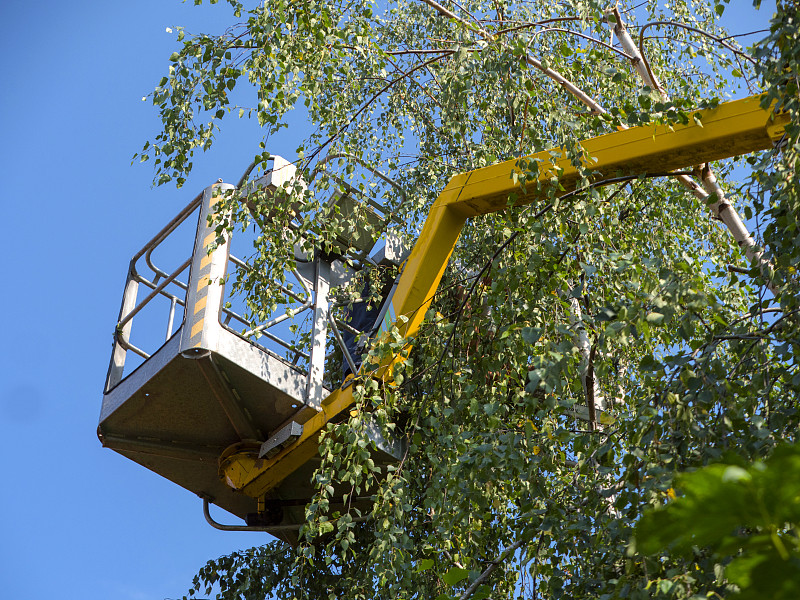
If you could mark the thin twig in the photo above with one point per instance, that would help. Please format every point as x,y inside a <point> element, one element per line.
<point>536,24</point>
<point>689,28</point>
<point>586,37</point>
<point>554,75</point>
<point>492,568</point>
<point>374,97</point>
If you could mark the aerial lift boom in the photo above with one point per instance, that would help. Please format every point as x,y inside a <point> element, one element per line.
<point>731,129</point>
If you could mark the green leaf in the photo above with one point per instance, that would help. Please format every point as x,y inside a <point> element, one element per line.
<point>483,592</point>
<point>454,575</point>
<point>656,318</point>
<point>607,419</point>
<point>424,564</point>
<point>531,335</point>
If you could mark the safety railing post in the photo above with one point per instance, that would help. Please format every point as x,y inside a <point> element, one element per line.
<point>123,333</point>
<point>206,289</point>
<point>319,334</point>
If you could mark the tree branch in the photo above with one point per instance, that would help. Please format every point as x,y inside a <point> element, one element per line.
<point>492,568</point>
<point>721,208</point>
<point>590,389</point>
<point>728,215</point>
<point>586,37</point>
<point>374,97</point>
<point>719,40</point>
<point>554,75</point>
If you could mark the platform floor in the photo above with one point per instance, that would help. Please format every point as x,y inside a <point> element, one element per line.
<point>175,415</point>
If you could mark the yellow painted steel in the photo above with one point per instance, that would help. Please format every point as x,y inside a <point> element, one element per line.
<point>255,477</point>
<point>731,129</point>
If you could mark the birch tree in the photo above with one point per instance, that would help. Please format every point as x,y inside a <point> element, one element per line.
<point>633,298</point>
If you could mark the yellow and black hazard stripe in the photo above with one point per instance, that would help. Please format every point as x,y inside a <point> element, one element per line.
<point>197,318</point>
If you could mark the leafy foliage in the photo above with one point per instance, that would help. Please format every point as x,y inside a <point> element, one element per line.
<point>750,512</point>
<point>503,493</point>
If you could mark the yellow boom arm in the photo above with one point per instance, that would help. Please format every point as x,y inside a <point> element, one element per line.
<point>731,129</point>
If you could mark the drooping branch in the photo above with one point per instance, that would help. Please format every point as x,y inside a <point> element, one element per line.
<point>422,88</point>
<point>522,26</point>
<point>495,564</point>
<point>588,38</point>
<point>534,62</point>
<point>719,40</point>
<point>479,278</point>
<point>374,97</point>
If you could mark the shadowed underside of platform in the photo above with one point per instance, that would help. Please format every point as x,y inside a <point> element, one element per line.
<point>175,415</point>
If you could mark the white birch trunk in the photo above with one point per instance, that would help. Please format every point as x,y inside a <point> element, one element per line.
<point>585,348</point>
<point>722,209</point>
<point>620,397</point>
<point>631,49</point>
<point>728,215</point>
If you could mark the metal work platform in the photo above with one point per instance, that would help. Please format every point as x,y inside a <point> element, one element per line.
<point>221,384</point>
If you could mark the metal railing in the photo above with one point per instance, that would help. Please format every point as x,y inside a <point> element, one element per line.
<point>166,284</point>
<point>253,332</point>
<point>158,284</point>
<point>306,351</point>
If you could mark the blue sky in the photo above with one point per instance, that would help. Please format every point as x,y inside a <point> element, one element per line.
<point>79,521</point>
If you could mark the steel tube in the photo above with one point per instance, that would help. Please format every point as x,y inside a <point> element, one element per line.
<point>342,345</point>
<point>170,227</point>
<point>267,529</point>
<point>288,315</point>
<point>348,328</point>
<point>152,286</point>
<point>154,293</point>
<point>171,319</point>
<point>234,315</point>
<point>272,337</point>
<point>116,367</point>
<point>159,273</point>
<point>364,164</point>
<point>293,295</point>
<point>128,346</point>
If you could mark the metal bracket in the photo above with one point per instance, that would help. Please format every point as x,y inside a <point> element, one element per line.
<point>284,437</point>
